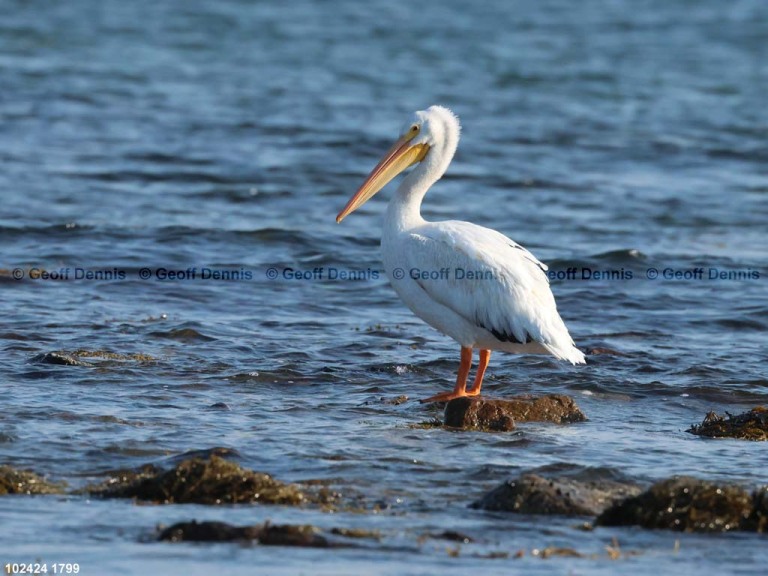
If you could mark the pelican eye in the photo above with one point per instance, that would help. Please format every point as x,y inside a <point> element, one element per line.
<point>414,129</point>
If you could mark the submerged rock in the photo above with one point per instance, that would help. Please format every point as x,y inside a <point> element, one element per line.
<point>356,533</point>
<point>752,425</point>
<point>14,481</point>
<point>183,334</point>
<point>427,424</point>
<point>600,350</point>
<point>75,358</point>
<point>266,534</point>
<point>210,481</point>
<point>688,504</point>
<point>59,359</point>
<point>107,355</point>
<point>453,536</point>
<point>534,494</point>
<point>479,413</point>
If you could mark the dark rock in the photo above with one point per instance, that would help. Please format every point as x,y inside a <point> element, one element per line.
<point>453,536</point>
<point>14,481</point>
<point>266,534</point>
<point>211,481</point>
<point>501,415</point>
<point>195,531</point>
<point>687,504</point>
<point>473,413</point>
<point>59,359</point>
<point>752,425</point>
<point>602,351</point>
<point>183,334</point>
<point>292,535</point>
<point>220,406</point>
<point>533,494</point>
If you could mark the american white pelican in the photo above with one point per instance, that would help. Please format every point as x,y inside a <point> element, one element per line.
<point>471,283</point>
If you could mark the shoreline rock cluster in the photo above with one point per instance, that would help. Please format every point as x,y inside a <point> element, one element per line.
<point>682,504</point>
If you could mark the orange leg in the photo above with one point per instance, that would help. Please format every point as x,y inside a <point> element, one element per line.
<point>461,380</point>
<point>485,357</point>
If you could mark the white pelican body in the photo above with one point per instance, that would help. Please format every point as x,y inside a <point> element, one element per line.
<point>471,283</point>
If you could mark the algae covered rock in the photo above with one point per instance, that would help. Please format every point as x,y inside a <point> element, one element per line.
<point>752,425</point>
<point>686,504</point>
<point>478,413</point>
<point>534,494</point>
<point>266,534</point>
<point>78,357</point>
<point>204,481</point>
<point>13,481</point>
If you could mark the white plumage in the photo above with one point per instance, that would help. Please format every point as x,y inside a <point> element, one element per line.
<point>494,295</point>
<point>471,283</point>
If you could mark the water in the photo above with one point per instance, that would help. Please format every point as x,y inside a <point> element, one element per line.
<point>227,135</point>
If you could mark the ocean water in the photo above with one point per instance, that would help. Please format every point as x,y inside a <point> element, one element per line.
<point>610,137</point>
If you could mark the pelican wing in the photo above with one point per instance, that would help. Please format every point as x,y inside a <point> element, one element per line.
<point>492,282</point>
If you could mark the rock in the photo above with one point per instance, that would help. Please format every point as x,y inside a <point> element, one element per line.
<point>292,535</point>
<point>477,414</point>
<point>75,358</point>
<point>427,424</point>
<point>60,359</point>
<point>552,551</point>
<point>220,406</point>
<point>120,478</point>
<point>107,355</point>
<point>202,453</point>
<point>752,425</point>
<point>453,536</point>
<point>501,415</point>
<point>210,481</point>
<point>392,401</point>
<point>688,504</point>
<point>600,350</point>
<point>183,334</point>
<point>207,531</point>
<point>266,534</point>
<point>14,481</point>
<point>356,533</point>
<point>534,494</point>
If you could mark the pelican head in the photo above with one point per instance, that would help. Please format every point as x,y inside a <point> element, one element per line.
<point>431,135</point>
